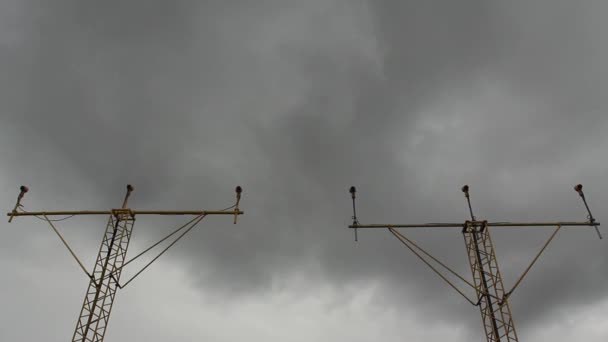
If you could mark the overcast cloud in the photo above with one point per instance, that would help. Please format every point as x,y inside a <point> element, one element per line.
<point>296,101</point>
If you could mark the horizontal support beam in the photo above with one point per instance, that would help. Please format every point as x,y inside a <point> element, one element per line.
<point>478,223</point>
<point>134,212</point>
<point>421,225</point>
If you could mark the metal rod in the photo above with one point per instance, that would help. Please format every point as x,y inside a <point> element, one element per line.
<point>23,189</point>
<point>129,190</point>
<point>399,237</point>
<point>422,225</point>
<point>353,192</point>
<point>579,188</point>
<point>198,219</point>
<point>465,189</point>
<point>238,190</point>
<point>69,248</point>
<point>156,244</point>
<point>403,237</point>
<point>529,266</point>
<point>540,224</point>
<point>476,223</point>
<point>135,212</point>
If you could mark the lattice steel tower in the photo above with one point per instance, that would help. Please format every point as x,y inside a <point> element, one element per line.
<point>104,280</point>
<point>491,297</point>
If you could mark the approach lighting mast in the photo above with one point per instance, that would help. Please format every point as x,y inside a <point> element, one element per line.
<point>104,280</point>
<point>491,297</point>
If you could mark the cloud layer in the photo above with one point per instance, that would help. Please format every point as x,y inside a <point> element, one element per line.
<point>296,101</point>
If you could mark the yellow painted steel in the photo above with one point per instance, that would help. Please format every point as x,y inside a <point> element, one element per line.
<point>487,281</point>
<point>104,279</point>
<point>477,224</point>
<point>134,212</point>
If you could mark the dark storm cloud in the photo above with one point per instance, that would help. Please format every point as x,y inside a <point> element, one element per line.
<point>297,102</point>
<point>87,80</point>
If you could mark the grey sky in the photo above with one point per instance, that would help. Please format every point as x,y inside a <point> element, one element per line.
<point>296,101</point>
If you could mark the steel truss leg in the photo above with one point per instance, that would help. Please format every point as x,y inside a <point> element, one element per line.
<point>497,319</point>
<point>95,313</point>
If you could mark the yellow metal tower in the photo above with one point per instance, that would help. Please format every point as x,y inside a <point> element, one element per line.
<point>104,280</point>
<point>491,297</point>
